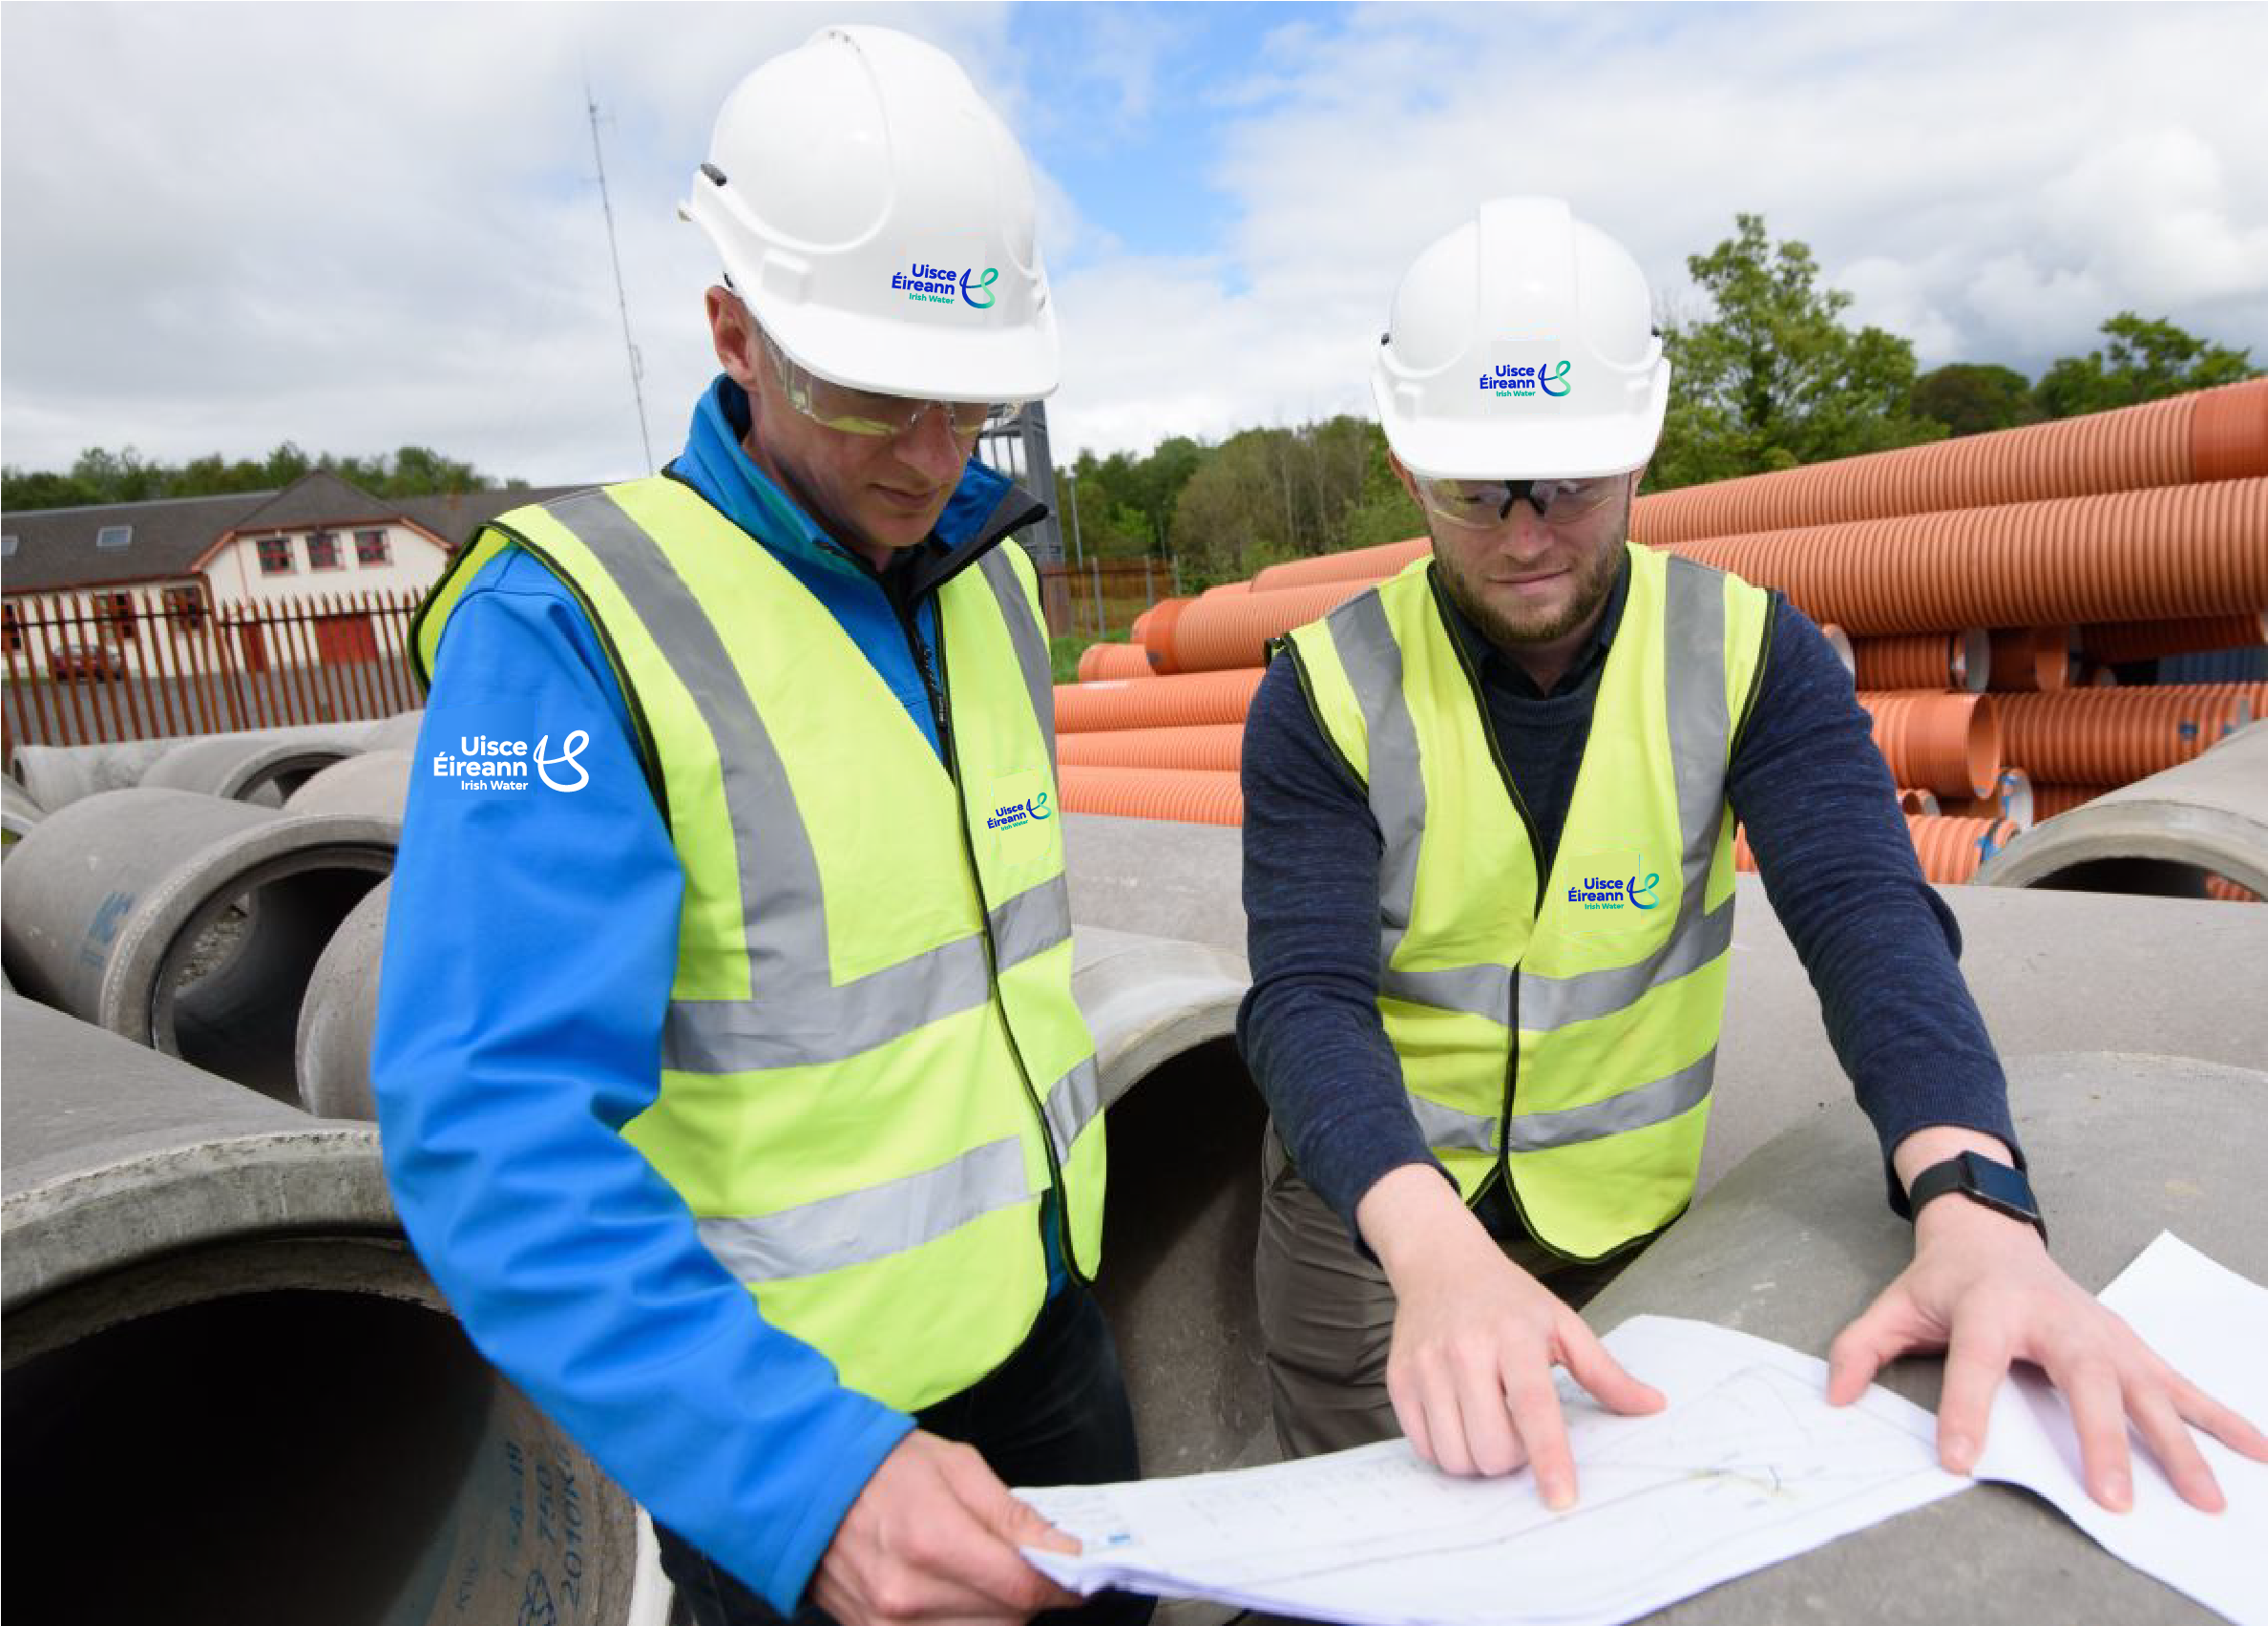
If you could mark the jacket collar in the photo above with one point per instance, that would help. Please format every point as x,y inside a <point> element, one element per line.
<point>984,508</point>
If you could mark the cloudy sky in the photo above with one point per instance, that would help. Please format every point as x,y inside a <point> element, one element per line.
<point>353,227</point>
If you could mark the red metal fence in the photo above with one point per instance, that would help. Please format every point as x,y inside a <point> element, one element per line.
<point>84,669</point>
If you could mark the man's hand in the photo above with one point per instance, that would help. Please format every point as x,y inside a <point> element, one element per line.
<point>1476,1338</point>
<point>1983,1289</point>
<point>934,1536</point>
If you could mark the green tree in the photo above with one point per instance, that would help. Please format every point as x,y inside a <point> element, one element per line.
<point>1973,398</point>
<point>98,474</point>
<point>1773,378</point>
<point>2144,361</point>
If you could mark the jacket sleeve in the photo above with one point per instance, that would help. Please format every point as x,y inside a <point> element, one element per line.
<point>531,945</point>
<point>1880,948</point>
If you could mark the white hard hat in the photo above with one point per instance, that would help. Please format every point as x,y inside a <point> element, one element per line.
<point>1523,346</point>
<point>878,218</point>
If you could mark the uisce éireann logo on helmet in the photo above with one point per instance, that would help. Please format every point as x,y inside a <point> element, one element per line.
<point>933,285</point>
<point>1508,379</point>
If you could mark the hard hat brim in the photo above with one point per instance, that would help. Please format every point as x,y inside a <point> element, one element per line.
<point>1523,448</point>
<point>916,359</point>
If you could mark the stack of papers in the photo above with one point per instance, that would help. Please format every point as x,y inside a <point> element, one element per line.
<point>1747,1465</point>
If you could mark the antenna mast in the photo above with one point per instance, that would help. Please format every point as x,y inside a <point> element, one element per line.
<point>622,300</point>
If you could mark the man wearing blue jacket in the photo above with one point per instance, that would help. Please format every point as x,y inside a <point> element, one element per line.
<point>729,1079</point>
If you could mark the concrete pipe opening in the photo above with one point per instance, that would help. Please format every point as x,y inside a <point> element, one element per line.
<point>233,1396</point>
<point>293,1457</point>
<point>229,1000</point>
<point>187,922</point>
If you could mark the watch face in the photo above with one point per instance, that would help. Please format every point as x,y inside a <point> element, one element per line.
<point>2001,1185</point>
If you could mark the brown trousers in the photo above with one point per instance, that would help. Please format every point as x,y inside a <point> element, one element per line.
<point>1327,1313</point>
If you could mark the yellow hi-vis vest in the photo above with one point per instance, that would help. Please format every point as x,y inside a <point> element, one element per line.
<point>872,1068</point>
<point>1563,1027</point>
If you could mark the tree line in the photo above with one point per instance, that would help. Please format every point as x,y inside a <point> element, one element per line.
<point>99,475</point>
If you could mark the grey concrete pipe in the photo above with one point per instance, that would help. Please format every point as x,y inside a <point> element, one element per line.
<point>110,902</point>
<point>261,771</point>
<point>18,814</point>
<point>1796,1241</point>
<point>339,1016</point>
<point>58,775</point>
<point>375,782</point>
<point>231,1393</point>
<point>2160,834</point>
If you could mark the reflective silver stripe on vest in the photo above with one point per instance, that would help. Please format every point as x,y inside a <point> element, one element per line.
<point>1655,1103</point>
<point>1373,662</point>
<point>797,1014</point>
<point>1035,920</point>
<point>1029,640</point>
<point>1073,1102</point>
<point>860,1227</point>
<point>1447,1130</point>
<point>1700,736</point>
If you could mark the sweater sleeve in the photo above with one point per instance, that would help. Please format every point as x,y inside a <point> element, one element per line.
<point>1309,1028</point>
<point>530,946</point>
<point>1879,944</point>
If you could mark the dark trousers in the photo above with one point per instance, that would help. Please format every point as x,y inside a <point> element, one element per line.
<point>1055,1413</point>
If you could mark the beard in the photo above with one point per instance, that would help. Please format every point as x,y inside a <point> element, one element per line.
<point>1592,585</point>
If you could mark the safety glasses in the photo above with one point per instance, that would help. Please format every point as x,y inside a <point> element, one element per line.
<point>866,412</point>
<point>1482,505</point>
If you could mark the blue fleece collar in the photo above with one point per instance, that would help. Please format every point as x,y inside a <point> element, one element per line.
<point>717,466</point>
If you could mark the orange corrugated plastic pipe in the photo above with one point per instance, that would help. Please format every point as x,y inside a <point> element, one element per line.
<point>1923,660</point>
<point>2111,737</point>
<point>2011,799</point>
<point>2228,891</point>
<point>2210,434</point>
<point>2048,800</point>
<point>1157,622</point>
<point>1114,661</point>
<point>1355,564</point>
<point>1215,747</point>
<point>1140,621</point>
<point>2190,550</point>
<point>1155,703</point>
<point>1913,800</point>
<point>2030,660</point>
<point>1185,795</point>
<point>1227,589</point>
<point>1217,634</point>
<point>2197,635</point>
<point>1950,743</point>
<point>1950,850</point>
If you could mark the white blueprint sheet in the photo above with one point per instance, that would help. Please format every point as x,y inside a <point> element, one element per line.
<point>1746,1467</point>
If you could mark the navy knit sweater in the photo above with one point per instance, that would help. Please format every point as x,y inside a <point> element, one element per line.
<point>1822,818</point>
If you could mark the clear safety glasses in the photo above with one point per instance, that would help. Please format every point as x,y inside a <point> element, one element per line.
<point>1482,505</point>
<point>866,412</point>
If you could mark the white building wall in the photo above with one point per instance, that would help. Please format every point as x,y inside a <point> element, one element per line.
<point>236,579</point>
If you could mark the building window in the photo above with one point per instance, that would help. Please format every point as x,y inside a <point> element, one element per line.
<point>185,605</point>
<point>275,556</point>
<point>370,548</point>
<point>114,614</point>
<point>8,545</point>
<point>15,629</point>
<point>323,550</point>
<point>113,536</point>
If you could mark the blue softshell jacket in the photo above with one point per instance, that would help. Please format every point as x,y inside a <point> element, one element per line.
<point>531,945</point>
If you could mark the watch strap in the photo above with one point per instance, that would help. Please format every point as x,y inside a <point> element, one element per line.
<point>1981,1179</point>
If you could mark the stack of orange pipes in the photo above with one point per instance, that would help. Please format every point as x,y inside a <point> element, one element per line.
<point>1981,590</point>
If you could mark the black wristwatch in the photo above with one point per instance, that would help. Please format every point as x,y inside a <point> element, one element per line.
<point>1980,1179</point>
